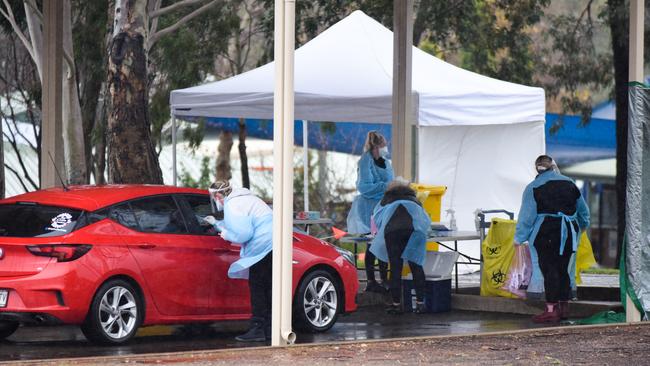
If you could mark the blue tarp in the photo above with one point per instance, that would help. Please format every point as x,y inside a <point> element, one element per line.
<point>570,144</point>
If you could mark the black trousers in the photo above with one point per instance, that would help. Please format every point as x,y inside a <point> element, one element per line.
<point>260,277</point>
<point>554,267</point>
<point>370,266</point>
<point>395,244</point>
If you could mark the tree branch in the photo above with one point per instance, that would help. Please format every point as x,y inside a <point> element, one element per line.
<point>20,179</point>
<point>168,9</point>
<point>156,36</point>
<point>9,15</point>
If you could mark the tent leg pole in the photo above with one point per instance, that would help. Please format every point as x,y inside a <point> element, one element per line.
<point>305,161</point>
<point>173,150</point>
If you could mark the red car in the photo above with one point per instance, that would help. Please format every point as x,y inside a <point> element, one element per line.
<point>116,257</point>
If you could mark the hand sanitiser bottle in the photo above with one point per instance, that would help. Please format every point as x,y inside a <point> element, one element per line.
<point>452,220</point>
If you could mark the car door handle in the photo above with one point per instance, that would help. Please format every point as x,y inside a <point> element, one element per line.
<point>146,246</point>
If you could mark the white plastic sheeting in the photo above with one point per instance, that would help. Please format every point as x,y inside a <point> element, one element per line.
<point>345,75</point>
<point>484,167</point>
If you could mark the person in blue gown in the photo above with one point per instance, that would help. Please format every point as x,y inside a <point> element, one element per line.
<point>374,172</point>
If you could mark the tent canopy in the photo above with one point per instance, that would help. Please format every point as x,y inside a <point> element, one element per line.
<point>345,75</point>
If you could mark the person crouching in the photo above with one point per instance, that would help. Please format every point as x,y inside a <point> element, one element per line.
<point>402,227</point>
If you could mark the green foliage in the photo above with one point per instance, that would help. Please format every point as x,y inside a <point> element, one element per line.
<point>185,57</point>
<point>204,180</point>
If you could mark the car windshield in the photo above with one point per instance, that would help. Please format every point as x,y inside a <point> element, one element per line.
<point>28,220</point>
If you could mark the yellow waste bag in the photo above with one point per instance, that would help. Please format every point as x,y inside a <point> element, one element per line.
<point>584,256</point>
<point>498,250</point>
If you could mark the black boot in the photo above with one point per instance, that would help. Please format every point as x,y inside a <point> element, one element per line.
<point>255,332</point>
<point>267,329</point>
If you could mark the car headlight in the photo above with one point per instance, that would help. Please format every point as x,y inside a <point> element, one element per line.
<point>346,254</point>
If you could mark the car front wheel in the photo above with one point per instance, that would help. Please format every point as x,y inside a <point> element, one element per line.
<point>115,314</point>
<point>7,328</point>
<point>317,302</point>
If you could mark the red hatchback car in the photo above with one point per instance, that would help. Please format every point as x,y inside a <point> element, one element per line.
<point>113,258</point>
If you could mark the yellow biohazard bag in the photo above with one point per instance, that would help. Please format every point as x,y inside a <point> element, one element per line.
<point>584,256</point>
<point>498,250</point>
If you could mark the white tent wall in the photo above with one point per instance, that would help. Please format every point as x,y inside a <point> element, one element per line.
<point>484,167</point>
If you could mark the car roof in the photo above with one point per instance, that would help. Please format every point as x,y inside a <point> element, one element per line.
<point>93,197</point>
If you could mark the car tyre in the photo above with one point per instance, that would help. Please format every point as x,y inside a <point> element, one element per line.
<point>317,302</point>
<point>7,328</point>
<point>115,315</point>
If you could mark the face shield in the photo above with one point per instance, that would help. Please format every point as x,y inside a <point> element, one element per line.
<point>217,197</point>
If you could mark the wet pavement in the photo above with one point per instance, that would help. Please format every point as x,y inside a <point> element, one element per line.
<point>34,343</point>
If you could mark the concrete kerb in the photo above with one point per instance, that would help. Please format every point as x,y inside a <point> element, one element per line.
<point>205,354</point>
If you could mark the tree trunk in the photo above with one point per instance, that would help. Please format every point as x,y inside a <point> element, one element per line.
<point>36,36</point>
<point>619,23</point>
<point>224,171</point>
<point>243,157</point>
<point>131,154</point>
<point>73,134</point>
<point>322,181</point>
<point>99,130</point>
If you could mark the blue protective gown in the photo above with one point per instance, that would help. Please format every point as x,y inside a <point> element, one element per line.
<point>371,184</point>
<point>247,221</point>
<point>416,248</point>
<point>530,220</point>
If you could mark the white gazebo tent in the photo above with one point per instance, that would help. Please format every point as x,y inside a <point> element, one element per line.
<point>476,135</point>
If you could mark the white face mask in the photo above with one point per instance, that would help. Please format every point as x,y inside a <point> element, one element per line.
<point>383,151</point>
<point>219,204</point>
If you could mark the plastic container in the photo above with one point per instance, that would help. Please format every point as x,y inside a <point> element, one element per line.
<point>437,265</point>
<point>431,198</point>
<point>437,295</point>
<point>432,201</point>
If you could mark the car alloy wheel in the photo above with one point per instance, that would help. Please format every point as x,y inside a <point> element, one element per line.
<point>318,303</point>
<point>115,313</point>
<point>118,312</point>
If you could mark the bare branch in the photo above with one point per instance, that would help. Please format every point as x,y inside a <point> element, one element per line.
<point>168,9</point>
<point>9,15</point>
<point>20,179</point>
<point>154,22</point>
<point>156,36</point>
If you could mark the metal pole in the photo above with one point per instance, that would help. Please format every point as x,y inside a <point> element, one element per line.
<point>281,333</point>
<point>52,106</point>
<point>305,161</point>
<point>636,74</point>
<point>174,149</point>
<point>402,103</point>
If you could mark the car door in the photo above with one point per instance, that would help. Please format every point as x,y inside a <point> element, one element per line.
<point>229,296</point>
<point>176,267</point>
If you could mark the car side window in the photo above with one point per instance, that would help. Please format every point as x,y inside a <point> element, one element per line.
<point>200,207</point>
<point>159,214</point>
<point>123,215</point>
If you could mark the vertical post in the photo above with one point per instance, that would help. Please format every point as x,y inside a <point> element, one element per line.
<point>305,161</point>
<point>283,125</point>
<point>636,74</point>
<point>51,127</point>
<point>402,103</point>
<point>174,149</point>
